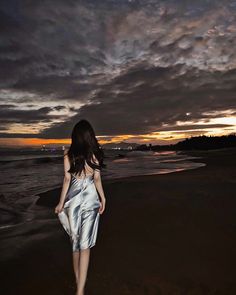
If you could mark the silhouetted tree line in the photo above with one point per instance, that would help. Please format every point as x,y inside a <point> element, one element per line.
<point>202,142</point>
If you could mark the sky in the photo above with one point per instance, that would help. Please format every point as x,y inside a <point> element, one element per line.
<point>139,71</point>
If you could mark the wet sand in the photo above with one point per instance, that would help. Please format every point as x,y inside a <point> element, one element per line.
<point>160,234</point>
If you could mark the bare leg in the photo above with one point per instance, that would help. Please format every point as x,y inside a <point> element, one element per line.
<point>76,255</point>
<point>83,269</point>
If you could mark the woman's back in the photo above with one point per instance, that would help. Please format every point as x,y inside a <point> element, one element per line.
<point>89,171</point>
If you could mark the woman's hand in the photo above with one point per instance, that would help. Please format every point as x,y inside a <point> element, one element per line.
<point>59,208</point>
<point>102,206</point>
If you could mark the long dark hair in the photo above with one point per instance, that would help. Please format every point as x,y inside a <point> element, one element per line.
<point>83,146</point>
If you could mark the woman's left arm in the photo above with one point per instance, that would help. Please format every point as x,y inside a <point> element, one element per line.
<point>67,178</point>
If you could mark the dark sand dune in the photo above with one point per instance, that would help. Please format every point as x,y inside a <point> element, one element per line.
<point>160,234</point>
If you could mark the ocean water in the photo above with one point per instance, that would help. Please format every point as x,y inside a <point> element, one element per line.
<point>24,175</point>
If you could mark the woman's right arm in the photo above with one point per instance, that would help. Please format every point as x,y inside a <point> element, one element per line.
<point>66,183</point>
<point>99,187</point>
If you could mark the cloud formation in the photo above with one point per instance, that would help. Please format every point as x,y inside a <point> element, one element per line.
<point>143,66</point>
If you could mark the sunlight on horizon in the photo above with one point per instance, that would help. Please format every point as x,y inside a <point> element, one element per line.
<point>155,138</point>
<point>223,124</point>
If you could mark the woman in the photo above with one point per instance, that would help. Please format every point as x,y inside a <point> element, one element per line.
<point>79,207</point>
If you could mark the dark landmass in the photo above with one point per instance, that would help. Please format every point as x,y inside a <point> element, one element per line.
<point>202,142</point>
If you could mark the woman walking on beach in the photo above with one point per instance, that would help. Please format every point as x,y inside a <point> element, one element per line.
<point>79,207</point>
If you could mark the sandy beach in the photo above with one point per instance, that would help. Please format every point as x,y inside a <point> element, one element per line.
<point>160,234</point>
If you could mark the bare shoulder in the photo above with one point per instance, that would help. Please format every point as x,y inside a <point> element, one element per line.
<point>95,159</point>
<point>66,151</point>
<point>66,157</point>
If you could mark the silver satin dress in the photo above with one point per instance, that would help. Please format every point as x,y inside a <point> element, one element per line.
<point>80,216</point>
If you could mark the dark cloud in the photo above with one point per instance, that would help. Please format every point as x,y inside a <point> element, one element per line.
<point>16,135</point>
<point>59,108</point>
<point>135,64</point>
<point>60,87</point>
<point>11,115</point>
<point>192,127</point>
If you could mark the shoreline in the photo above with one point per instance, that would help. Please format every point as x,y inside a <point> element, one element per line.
<point>206,155</point>
<point>45,198</point>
